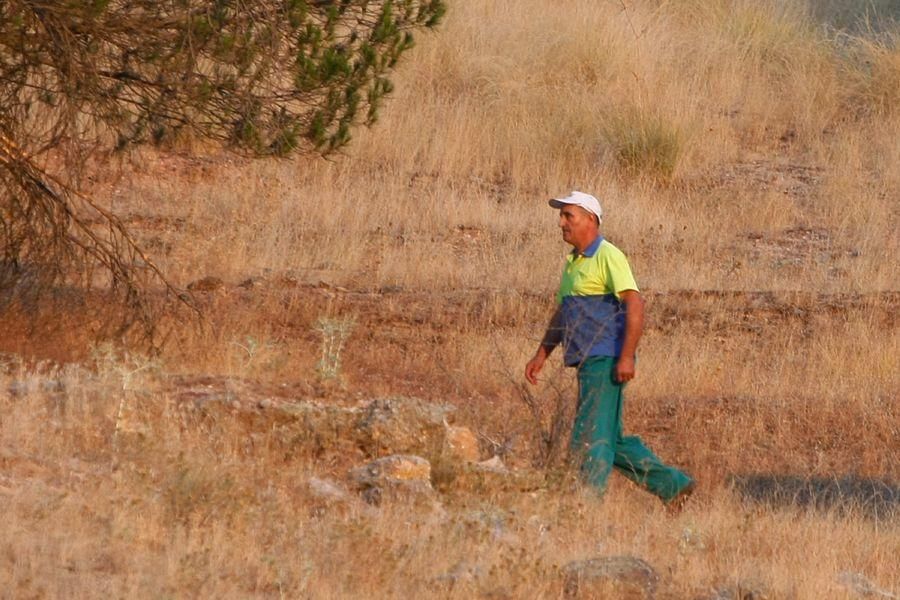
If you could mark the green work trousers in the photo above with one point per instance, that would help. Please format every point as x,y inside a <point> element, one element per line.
<point>597,438</point>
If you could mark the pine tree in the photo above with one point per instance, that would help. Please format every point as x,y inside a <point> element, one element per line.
<point>261,77</point>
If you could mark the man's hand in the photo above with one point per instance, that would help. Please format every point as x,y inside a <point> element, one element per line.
<point>625,369</point>
<point>535,365</point>
<point>634,326</point>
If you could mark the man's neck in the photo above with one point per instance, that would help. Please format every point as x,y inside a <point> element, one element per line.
<point>582,247</point>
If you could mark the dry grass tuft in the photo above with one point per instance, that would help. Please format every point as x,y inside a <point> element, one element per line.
<point>645,144</point>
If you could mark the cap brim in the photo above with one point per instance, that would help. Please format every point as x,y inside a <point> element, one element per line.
<point>557,203</point>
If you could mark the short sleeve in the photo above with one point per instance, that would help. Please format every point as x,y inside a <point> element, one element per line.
<point>618,273</point>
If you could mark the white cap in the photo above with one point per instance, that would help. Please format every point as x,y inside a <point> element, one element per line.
<point>585,201</point>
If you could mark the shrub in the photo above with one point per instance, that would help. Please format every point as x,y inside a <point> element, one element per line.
<point>265,77</point>
<point>645,143</point>
<point>873,70</point>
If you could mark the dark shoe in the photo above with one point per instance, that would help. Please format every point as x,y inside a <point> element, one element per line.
<point>676,504</point>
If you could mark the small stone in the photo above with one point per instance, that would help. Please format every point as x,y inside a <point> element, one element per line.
<point>328,490</point>
<point>610,577</point>
<point>287,280</point>
<point>460,444</point>
<point>492,476</point>
<point>18,388</point>
<point>741,591</point>
<point>52,386</point>
<point>252,282</point>
<point>539,525</point>
<point>492,465</point>
<point>398,468</point>
<point>206,284</point>
<point>493,522</point>
<point>861,586</point>
<point>461,572</point>
<point>399,477</point>
<point>690,540</point>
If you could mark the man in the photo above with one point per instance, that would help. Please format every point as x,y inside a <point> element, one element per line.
<point>599,320</point>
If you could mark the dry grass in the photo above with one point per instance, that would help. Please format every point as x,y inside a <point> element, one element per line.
<point>746,157</point>
<point>765,128</point>
<point>149,507</point>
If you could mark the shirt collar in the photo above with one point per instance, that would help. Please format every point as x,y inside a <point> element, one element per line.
<point>590,250</point>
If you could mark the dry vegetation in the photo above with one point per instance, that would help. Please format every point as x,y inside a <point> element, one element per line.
<point>747,158</point>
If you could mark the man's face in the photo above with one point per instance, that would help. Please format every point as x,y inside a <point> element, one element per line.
<point>578,225</point>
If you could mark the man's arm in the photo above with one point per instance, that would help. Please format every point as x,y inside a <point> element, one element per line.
<point>552,338</point>
<point>634,327</point>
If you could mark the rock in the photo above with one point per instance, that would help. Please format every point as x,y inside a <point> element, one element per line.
<point>485,477</point>
<point>610,577</point>
<point>492,465</point>
<point>460,573</point>
<point>403,425</point>
<point>498,593</point>
<point>18,389</point>
<point>52,386</point>
<point>287,280</point>
<point>397,477</point>
<point>494,522</point>
<point>327,490</point>
<point>741,591</point>
<point>861,586</point>
<point>690,540</point>
<point>460,444</point>
<point>206,284</point>
<point>326,496</point>
<point>373,428</point>
<point>251,283</point>
<point>536,523</point>
<point>309,427</point>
